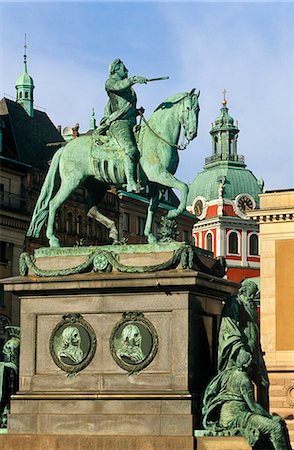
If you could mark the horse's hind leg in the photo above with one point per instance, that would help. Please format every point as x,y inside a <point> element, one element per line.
<point>64,191</point>
<point>108,223</point>
<point>153,204</point>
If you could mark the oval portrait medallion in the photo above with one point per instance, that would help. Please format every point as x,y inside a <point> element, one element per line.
<point>133,342</point>
<point>72,343</point>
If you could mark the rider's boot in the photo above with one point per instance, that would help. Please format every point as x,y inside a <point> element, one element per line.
<point>130,169</point>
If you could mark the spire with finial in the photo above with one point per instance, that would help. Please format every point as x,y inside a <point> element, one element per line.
<point>93,121</point>
<point>224,102</point>
<point>224,135</point>
<point>25,86</point>
<point>25,50</point>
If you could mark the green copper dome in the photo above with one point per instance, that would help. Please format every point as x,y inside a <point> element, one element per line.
<point>224,119</point>
<point>25,79</point>
<point>25,90</point>
<point>237,178</point>
<point>225,166</point>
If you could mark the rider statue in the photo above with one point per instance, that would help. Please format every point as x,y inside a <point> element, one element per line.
<point>120,117</point>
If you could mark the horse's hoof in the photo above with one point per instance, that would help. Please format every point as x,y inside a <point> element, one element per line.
<point>114,237</point>
<point>172,214</point>
<point>152,239</point>
<point>54,243</point>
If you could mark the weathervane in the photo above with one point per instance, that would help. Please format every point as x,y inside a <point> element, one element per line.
<point>224,102</point>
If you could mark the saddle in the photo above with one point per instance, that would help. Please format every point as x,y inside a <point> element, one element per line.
<point>109,140</point>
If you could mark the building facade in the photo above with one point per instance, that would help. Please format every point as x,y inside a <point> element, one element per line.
<point>220,197</point>
<point>276,221</point>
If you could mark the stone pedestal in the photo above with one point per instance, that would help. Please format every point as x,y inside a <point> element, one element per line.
<point>222,443</point>
<point>104,398</point>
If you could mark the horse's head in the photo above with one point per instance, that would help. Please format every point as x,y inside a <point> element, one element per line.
<point>189,114</point>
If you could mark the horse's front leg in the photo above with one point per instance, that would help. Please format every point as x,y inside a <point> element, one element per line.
<point>152,208</point>
<point>167,179</point>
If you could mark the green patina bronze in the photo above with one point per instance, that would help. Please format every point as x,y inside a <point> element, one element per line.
<point>133,342</point>
<point>116,155</point>
<point>168,230</point>
<point>229,407</point>
<point>72,343</point>
<point>106,258</point>
<point>240,329</point>
<point>9,372</point>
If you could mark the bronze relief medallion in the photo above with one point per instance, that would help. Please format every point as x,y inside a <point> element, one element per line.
<point>133,342</point>
<point>72,343</point>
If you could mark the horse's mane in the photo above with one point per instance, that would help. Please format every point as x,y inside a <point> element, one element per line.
<point>170,101</point>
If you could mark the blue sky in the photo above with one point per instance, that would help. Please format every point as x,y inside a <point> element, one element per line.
<point>246,48</point>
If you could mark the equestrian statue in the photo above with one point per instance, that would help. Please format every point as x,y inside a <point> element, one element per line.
<point>120,153</point>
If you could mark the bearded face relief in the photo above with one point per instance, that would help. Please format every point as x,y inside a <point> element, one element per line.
<point>131,344</point>
<point>71,345</point>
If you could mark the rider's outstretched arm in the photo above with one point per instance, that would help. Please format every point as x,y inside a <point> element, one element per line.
<point>120,85</point>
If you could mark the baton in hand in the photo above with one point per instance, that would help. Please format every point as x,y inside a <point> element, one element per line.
<point>156,79</point>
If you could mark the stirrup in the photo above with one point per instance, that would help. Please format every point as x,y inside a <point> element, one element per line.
<point>137,189</point>
<point>101,139</point>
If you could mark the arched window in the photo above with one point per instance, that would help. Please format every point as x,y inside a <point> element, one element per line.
<point>20,94</point>
<point>26,94</point>
<point>99,232</point>
<point>234,243</point>
<point>58,221</point>
<point>216,146</point>
<point>253,245</point>
<point>69,223</point>
<point>79,225</point>
<point>90,228</point>
<point>209,242</point>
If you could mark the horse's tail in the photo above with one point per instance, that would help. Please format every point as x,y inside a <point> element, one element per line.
<point>41,210</point>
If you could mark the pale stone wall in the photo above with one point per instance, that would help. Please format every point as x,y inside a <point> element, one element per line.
<point>276,221</point>
<point>277,277</point>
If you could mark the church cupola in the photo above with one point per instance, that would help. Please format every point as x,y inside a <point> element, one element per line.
<point>224,136</point>
<point>25,87</point>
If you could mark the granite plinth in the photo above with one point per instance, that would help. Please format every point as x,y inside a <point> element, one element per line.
<point>183,306</point>
<point>222,443</point>
<point>86,442</point>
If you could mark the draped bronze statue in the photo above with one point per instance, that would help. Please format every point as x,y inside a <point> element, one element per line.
<point>229,406</point>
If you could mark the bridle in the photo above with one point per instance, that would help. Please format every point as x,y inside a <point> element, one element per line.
<point>182,146</point>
